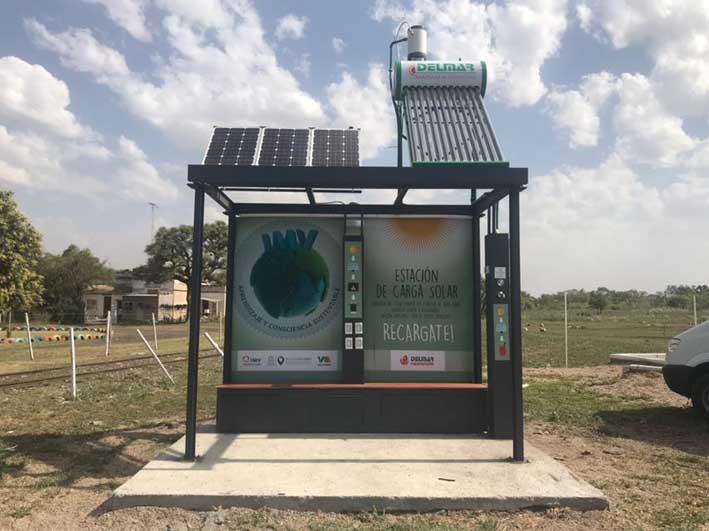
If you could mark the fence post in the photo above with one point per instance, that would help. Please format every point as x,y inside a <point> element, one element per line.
<point>155,333</point>
<point>108,333</point>
<point>216,347</point>
<point>219,316</point>
<point>566,332</point>
<point>29,335</point>
<point>694,304</point>
<point>73,364</point>
<point>155,355</point>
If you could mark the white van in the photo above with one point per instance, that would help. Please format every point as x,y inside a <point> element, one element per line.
<point>687,367</point>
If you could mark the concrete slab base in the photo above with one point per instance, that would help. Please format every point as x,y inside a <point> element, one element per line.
<point>358,472</point>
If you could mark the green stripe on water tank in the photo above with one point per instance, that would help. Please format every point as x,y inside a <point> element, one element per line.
<point>471,164</point>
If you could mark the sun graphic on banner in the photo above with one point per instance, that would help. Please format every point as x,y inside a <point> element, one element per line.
<point>418,234</point>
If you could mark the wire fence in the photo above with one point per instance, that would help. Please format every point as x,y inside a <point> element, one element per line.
<point>551,337</point>
<point>34,330</point>
<point>34,351</point>
<point>583,337</point>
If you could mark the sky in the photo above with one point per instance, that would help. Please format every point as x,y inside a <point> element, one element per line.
<point>103,103</point>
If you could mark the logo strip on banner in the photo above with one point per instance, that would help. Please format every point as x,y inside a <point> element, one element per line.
<point>287,360</point>
<point>418,360</point>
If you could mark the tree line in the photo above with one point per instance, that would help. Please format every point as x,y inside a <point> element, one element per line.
<point>600,299</point>
<point>31,279</point>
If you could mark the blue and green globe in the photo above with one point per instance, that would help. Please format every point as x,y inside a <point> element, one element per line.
<point>290,278</point>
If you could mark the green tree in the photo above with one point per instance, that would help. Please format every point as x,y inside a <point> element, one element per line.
<point>170,255</point>
<point>67,276</point>
<point>20,250</point>
<point>598,299</point>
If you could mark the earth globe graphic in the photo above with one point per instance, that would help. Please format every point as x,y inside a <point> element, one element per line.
<point>290,278</point>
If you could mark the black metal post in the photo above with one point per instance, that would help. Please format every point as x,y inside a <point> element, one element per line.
<point>477,324</point>
<point>228,314</point>
<point>399,140</point>
<point>195,311</point>
<point>516,329</point>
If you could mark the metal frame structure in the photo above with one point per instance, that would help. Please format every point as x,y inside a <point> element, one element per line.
<point>498,183</point>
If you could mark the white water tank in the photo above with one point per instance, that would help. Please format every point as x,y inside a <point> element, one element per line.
<point>418,43</point>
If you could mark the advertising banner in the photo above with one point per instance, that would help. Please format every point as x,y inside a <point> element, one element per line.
<point>418,275</point>
<point>287,323</point>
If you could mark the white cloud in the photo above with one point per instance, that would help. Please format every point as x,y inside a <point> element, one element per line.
<point>44,146</point>
<point>647,132</point>
<point>617,231</point>
<point>688,199</point>
<point>39,135</point>
<point>699,159</point>
<point>585,16</point>
<point>338,44</point>
<point>205,13</point>
<point>576,112</point>
<point>597,88</point>
<point>40,162</point>
<point>128,14</point>
<point>515,38</point>
<point>220,70</point>
<point>139,177</point>
<point>674,34</point>
<point>30,92</point>
<point>302,65</point>
<point>59,232</point>
<point>366,106</point>
<point>79,50</point>
<point>291,27</point>
<point>573,113</point>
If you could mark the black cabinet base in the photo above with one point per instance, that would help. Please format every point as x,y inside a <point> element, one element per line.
<point>351,409</point>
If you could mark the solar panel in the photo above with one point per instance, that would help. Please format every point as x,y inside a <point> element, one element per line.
<point>336,147</point>
<point>232,146</point>
<point>265,146</point>
<point>284,147</point>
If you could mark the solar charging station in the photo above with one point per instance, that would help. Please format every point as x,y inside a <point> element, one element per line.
<point>348,317</point>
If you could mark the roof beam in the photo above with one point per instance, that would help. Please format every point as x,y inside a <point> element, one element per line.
<point>220,197</point>
<point>489,199</point>
<point>352,208</point>
<point>375,177</point>
<point>400,194</point>
<point>311,196</point>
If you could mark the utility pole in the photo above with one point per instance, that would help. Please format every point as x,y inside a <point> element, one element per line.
<point>566,331</point>
<point>153,206</point>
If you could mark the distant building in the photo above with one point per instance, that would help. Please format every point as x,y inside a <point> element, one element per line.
<point>213,301</point>
<point>168,301</point>
<point>99,299</point>
<point>137,301</point>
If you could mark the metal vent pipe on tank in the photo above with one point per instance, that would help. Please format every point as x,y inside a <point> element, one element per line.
<point>418,43</point>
